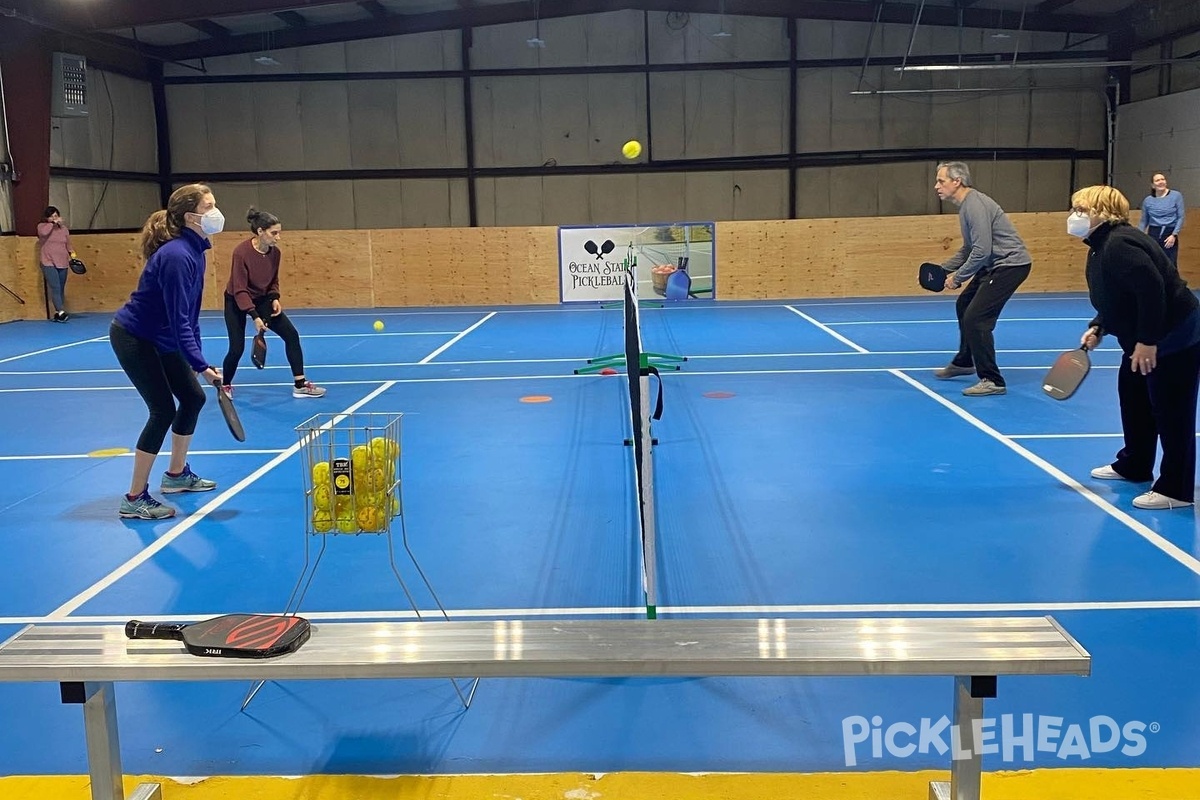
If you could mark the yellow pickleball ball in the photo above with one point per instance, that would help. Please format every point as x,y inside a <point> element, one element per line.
<point>632,149</point>
<point>370,518</point>
<point>322,521</point>
<point>320,496</point>
<point>378,324</point>
<point>320,472</point>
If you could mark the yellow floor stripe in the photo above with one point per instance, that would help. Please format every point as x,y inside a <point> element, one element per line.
<point>1044,784</point>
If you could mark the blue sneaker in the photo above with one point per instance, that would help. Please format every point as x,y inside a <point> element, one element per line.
<point>186,481</point>
<point>144,507</point>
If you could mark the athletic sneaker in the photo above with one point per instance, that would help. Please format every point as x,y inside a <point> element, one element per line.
<point>952,370</point>
<point>1154,500</point>
<point>1107,473</point>
<point>308,390</point>
<point>228,390</point>
<point>61,316</point>
<point>186,481</point>
<point>144,507</point>
<point>984,388</point>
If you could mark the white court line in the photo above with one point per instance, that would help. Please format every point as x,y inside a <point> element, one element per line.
<point>577,359</point>
<point>192,519</point>
<point>68,456</point>
<point>458,338</point>
<point>1162,543</point>
<point>941,300</point>
<point>45,350</point>
<point>954,321</point>
<point>556,376</point>
<point>608,611</point>
<point>1181,556</point>
<point>828,330</point>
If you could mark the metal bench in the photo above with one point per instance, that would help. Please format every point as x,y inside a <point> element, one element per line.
<point>88,659</point>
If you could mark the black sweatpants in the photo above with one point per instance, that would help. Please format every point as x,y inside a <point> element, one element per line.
<point>978,308</point>
<point>1159,233</point>
<point>159,378</point>
<point>235,324</point>
<point>1161,408</point>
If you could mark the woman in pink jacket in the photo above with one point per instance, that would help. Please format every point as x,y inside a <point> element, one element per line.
<point>55,242</point>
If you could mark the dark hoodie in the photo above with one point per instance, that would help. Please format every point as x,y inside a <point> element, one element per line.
<point>1137,292</point>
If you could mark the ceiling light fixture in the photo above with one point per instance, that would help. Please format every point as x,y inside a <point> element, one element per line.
<point>537,40</point>
<point>721,32</point>
<point>1043,65</point>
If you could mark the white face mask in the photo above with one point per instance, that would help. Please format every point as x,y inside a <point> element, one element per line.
<point>212,221</point>
<point>1078,224</point>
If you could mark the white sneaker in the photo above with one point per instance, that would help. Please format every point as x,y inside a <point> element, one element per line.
<point>1154,500</point>
<point>1107,473</point>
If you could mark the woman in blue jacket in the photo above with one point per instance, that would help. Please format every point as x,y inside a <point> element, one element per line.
<point>156,337</point>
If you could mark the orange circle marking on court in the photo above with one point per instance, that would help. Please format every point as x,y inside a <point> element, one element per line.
<point>536,398</point>
<point>718,395</point>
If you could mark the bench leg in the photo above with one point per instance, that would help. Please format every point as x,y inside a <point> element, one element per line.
<point>100,728</point>
<point>966,764</point>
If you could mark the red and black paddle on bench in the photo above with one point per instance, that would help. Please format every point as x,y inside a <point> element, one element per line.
<point>231,635</point>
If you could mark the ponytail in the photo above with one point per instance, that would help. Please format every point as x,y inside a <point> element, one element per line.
<point>163,226</point>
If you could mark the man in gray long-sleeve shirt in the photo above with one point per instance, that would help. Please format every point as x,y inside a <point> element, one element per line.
<point>995,257</point>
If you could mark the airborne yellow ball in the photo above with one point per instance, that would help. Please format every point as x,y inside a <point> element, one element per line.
<point>632,149</point>
<point>378,325</point>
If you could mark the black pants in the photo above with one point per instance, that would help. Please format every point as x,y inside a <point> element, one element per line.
<point>1159,234</point>
<point>281,326</point>
<point>1161,407</point>
<point>978,308</point>
<point>159,378</point>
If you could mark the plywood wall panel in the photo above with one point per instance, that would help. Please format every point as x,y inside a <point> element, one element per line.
<point>19,272</point>
<point>773,259</point>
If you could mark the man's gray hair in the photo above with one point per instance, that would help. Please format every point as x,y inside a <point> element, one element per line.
<point>956,170</point>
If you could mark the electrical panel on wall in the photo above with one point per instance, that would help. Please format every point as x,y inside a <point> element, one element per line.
<point>68,86</point>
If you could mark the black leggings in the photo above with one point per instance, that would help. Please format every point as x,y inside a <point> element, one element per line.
<point>281,326</point>
<point>159,378</point>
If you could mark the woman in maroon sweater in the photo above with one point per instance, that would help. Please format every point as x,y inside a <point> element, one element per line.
<point>254,290</point>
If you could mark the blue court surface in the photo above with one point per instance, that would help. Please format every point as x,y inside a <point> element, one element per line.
<point>808,464</point>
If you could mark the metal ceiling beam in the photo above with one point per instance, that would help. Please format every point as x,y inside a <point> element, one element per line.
<point>210,28</point>
<point>117,14</point>
<point>1050,6</point>
<point>398,24</point>
<point>375,9</point>
<point>292,19</point>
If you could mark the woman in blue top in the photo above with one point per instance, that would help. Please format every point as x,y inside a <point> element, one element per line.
<point>156,337</point>
<point>1162,216</point>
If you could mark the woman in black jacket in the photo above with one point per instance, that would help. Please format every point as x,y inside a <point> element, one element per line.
<point>1141,299</point>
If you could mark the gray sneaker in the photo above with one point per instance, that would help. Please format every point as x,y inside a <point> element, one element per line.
<point>984,388</point>
<point>308,390</point>
<point>186,481</point>
<point>144,507</point>
<point>952,371</point>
